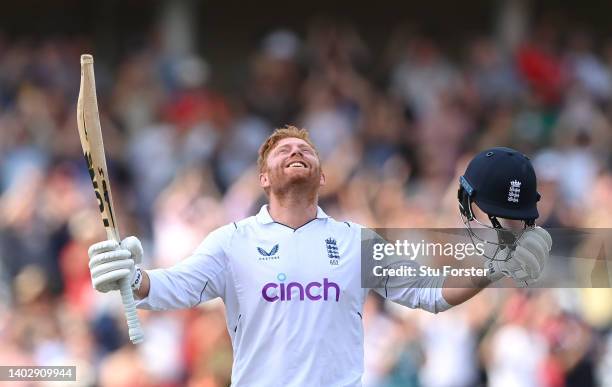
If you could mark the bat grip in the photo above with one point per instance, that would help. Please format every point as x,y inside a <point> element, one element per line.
<point>134,329</point>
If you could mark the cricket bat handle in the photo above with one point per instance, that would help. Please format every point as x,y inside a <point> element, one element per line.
<point>134,329</point>
<point>127,297</point>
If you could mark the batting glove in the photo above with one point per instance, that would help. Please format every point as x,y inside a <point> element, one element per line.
<point>525,264</point>
<point>110,262</point>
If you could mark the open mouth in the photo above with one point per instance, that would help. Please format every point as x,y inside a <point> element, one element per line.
<point>297,164</point>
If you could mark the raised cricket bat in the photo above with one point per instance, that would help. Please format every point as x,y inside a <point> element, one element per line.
<point>90,133</point>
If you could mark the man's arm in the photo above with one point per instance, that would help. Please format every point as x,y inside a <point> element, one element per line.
<point>423,293</point>
<point>415,292</point>
<point>524,265</point>
<point>457,290</point>
<point>196,279</point>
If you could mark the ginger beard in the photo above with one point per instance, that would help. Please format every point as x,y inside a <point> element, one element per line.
<point>292,167</point>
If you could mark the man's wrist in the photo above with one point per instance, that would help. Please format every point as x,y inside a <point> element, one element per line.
<point>137,279</point>
<point>494,272</point>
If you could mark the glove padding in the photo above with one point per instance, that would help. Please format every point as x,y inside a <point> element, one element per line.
<point>109,262</point>
<point>525,264</point>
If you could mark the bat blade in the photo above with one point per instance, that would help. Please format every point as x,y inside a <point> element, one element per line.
<point>90,133</point>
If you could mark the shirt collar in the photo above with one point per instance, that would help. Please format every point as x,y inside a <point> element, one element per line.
<point>263,216</point>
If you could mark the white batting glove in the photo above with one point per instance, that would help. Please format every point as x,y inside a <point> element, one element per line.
<point>109,262</point>
<point>525,264</point>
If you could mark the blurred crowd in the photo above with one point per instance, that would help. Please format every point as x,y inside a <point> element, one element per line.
<point>394,126</point>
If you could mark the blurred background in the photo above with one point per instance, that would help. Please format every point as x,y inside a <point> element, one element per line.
<point>397,96</point>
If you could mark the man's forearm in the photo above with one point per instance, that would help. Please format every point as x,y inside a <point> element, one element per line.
<point>145,285</point>
<point>457,290</point>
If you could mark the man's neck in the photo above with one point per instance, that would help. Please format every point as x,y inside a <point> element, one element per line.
<point>292,211</point>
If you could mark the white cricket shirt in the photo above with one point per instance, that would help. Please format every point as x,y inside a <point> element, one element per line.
<point>293,298</point>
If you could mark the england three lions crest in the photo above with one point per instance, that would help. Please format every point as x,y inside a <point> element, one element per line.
<point>514,192</point>
<point>332,251</point>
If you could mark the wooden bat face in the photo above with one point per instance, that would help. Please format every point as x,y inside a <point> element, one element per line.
<point>102,192</point>
<point>90,134</point>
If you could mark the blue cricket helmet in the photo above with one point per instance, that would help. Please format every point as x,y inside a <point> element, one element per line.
<point>502,182</point>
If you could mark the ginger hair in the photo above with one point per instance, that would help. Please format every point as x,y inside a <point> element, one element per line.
<point>279,134</point>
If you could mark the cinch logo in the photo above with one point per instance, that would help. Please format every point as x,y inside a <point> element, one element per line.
<point>273,292</point>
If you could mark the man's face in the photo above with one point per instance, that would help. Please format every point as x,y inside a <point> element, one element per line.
<point>292,161</point>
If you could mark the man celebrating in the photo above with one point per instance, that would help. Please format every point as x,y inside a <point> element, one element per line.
<point>290,277</point>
